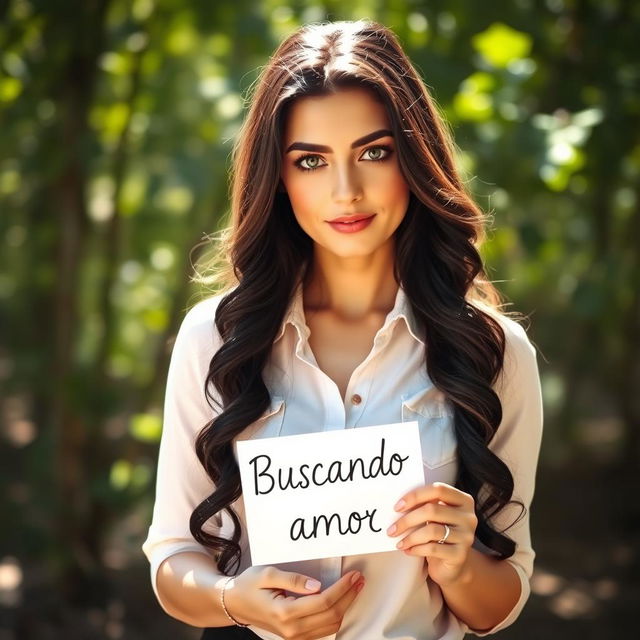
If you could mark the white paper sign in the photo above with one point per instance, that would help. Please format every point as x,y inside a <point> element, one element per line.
<point>329,493</point>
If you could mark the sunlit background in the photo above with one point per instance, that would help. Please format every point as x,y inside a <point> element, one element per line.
<point>116,124</point>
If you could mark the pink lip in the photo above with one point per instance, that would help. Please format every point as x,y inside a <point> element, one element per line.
<point>351,224</point>
<point>352,218</point>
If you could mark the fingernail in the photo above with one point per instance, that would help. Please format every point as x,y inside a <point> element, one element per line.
<point>355,577</point>
<point>392,529</point>
<point>399,505</point>
<point>400,544</point>
<point>359,587</point>
<point>312,585</point>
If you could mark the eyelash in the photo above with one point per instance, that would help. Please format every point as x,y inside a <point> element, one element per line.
<point>388,149</point>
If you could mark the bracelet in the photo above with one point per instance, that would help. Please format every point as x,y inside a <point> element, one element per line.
<point>224,606</point>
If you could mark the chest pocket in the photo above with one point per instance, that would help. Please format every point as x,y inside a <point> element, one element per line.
<point>434,415</point>
<point>269,425</point>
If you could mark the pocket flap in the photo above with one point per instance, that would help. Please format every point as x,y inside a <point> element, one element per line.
<point>434,415</point>
<point>430,403</point>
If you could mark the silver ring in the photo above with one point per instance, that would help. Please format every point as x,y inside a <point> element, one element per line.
<point>447,531</point>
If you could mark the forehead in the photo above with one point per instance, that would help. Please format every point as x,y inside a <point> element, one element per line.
<point>350,113</point>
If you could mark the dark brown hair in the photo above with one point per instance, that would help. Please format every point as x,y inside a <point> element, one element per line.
<point>437,263</point>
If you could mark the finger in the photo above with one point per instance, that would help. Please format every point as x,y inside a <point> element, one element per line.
<point>430,549</point>
<point>305,606</point>
<point>273,578</point>
<point>332,617</point>
<point>432,532</point>
<point>430,512</point>
<point>451,553</point>
<point>433,492</point>
<point>342,606</point>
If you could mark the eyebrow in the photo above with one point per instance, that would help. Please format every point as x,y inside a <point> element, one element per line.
<point>321,148</point>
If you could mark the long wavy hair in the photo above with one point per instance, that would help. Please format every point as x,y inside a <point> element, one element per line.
<point>437,263</point>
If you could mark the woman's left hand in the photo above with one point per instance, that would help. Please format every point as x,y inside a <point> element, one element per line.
<point>426,511</point>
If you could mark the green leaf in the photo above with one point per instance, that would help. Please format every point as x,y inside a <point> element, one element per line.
<point>500,44</point>
<point>134,191</point>
<point>146,427</point>
<point>473,106</point>
<point>10,89</point>
<point>120,475</point>
<point>479,82</point>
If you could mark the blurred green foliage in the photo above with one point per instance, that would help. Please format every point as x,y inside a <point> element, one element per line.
<point>116,124</point>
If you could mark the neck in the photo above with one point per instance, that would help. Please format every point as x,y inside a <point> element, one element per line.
<point>351,288</point>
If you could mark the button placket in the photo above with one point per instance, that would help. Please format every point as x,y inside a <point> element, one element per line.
<point>330,571</point>
<point>358,392</point>
<point>334,407</point>
<point>354,405</point>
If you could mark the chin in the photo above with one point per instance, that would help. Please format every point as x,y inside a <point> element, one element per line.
<point>353,252</point>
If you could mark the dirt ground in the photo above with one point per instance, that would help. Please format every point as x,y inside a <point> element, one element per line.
<point>586,585</point>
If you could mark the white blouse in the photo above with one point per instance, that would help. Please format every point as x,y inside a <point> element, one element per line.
<point>391,385</point>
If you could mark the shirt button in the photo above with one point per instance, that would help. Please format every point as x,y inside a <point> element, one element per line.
<point>356,399</point>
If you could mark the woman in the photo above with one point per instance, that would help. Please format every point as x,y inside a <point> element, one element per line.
<point>358,299</point>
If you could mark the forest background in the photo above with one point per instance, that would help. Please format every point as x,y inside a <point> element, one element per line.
<point>116,124</point>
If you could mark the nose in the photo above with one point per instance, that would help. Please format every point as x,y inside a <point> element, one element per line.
<point>346,186</point>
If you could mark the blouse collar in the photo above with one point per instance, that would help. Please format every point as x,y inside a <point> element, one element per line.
<point>401,311</point>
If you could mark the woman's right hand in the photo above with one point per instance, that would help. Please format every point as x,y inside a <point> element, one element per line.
<point>257,597</point>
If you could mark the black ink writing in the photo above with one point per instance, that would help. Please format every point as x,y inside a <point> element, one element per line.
<point>265,480</point>
<point>333,523</point>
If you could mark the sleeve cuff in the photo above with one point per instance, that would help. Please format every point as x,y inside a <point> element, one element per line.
<point>525,591</point>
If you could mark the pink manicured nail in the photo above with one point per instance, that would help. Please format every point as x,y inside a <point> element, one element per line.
<point>400,505</point>
<point>312,585</point>
<point>392,529</point>
<point>355,577</point>
<point>400,544</point>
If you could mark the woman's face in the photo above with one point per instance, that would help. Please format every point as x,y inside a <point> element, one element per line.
<point>341,173</point>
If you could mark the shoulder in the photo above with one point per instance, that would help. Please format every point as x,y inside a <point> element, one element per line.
<point>520,354</point>
<point>198,331</point>
<point>516,337</point>
<point>202,311</point>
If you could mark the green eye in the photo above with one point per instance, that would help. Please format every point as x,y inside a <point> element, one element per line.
<point>379,153</point>
<point>312,162</point>
<point>308,163</point>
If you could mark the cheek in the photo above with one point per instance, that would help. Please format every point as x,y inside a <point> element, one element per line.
<point>303,195</point>
<point>394,190</point>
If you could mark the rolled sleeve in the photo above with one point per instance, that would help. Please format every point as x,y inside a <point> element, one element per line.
<point>182,483</point>
<point>512,616</point>
<point>517,442</point>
